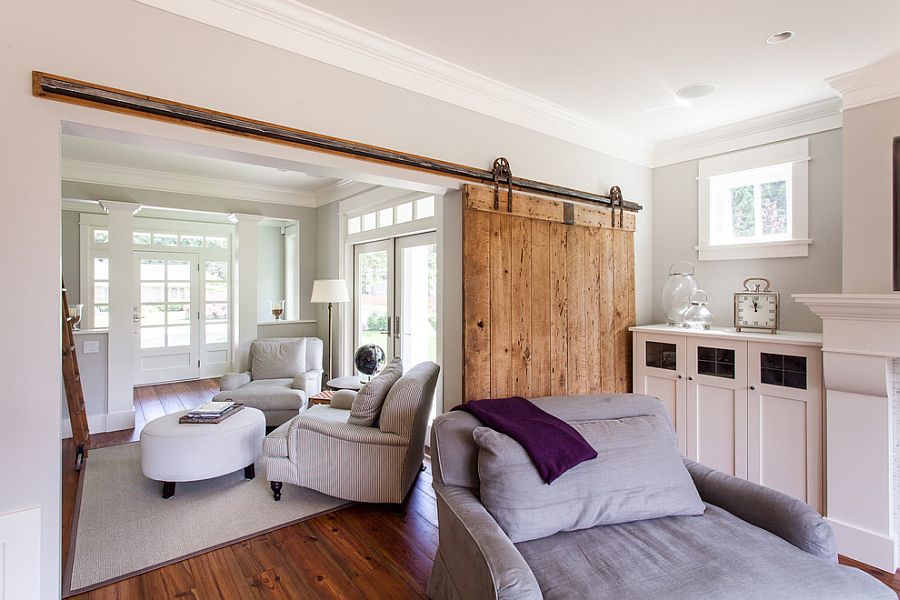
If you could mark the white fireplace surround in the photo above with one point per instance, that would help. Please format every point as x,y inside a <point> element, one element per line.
<point>861,354</point>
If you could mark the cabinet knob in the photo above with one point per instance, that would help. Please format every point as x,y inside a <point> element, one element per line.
<point>690,378</point>
<point>752,387</point>
<point>679,376</point>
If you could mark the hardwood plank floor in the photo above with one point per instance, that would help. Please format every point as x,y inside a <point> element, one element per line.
<point>363,551</point>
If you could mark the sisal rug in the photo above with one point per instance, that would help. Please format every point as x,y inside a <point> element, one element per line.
<point>125,527</point>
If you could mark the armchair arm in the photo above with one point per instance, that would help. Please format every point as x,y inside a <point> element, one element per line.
<point>349,433</point>
<point>310,382</point>
<point>788,518</point>
<point>232,381</point>
<point>475,557</point>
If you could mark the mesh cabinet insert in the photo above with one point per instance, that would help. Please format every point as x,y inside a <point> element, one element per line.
<point>661,355</point>
<point>716,362</point>
<point>783,370</point>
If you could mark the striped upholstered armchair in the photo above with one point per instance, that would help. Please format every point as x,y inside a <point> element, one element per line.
<point>319,450</point>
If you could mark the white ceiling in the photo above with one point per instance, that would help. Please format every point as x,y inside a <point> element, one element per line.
<point>621,62</point>
<point>149,159</point>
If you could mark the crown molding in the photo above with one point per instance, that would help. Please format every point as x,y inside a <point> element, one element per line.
<point>783,125</point>
<point>874,83</point>
<point>303,30</point>
<point>341,190</point>
<point>147,179</point>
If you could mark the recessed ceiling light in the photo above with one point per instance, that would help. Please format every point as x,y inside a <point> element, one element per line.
<point>696,90</point>
<point>779,38</point>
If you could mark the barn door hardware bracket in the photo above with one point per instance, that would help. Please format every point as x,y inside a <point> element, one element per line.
<point>615,199</point>
<point>568,213</point>
<point>502,171</point>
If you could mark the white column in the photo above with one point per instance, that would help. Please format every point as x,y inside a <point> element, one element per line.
<point>245,287</point>
<point>122,344</point>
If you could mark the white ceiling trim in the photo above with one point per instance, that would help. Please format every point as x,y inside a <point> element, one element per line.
<point>341,190</point>
<point>148,179</point>
<point>783,125</point>
<point>874,83</point>
<point>331,40</point>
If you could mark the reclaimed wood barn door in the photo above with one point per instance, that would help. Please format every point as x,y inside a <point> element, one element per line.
<point>548,294</point>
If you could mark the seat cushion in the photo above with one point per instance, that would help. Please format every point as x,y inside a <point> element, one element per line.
<point>267,394</point>
<point>370,397</point>
<point>277,359</point>
<point>637,474</point>
<point>714,556</point>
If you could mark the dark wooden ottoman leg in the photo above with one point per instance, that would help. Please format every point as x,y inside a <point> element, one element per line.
<point>168,489</point>
<point>249,471</point>
<point>276,490</point>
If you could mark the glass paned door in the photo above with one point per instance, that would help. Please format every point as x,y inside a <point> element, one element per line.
<point>374,295</point>
<point>166,317</point>
<point>415,326</point>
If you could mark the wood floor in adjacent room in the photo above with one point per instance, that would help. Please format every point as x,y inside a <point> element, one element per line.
<point>362,551</point>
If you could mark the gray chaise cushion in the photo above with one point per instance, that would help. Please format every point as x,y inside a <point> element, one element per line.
<point>278,359</point>
<point>370,397</point>
<point>715,556</point>
<point>638,474</point>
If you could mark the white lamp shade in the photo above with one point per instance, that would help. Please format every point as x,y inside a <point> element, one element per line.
<point>329,290</point>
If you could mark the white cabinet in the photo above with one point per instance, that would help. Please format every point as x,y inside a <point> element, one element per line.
<point>746,404</point>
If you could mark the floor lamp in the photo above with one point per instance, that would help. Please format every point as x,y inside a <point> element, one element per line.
<point>329,291</point>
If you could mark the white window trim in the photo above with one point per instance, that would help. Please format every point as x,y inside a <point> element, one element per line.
<point>793,151</point>
<point>349,209</point>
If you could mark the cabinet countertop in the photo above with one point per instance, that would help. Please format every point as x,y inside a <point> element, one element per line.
<point>782,337</point>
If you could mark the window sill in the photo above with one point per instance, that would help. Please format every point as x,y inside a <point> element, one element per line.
<point>782,249</point>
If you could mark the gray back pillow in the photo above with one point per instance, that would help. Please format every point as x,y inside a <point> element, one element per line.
<point>638,474</point>
<point>370,397</point>
<point>277,359</point>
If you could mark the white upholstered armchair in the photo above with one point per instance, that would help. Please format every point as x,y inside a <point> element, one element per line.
<point>284,373</point>
<point>319,450</point>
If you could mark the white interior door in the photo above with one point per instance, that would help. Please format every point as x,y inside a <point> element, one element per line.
<point>374,295</point>
<point>166,317</point>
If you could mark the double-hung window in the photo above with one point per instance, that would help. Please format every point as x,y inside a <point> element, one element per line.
<point>754,203</point>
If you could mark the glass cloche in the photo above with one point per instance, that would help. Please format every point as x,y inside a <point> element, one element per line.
<point>676,293</point>
<point>697,316</point>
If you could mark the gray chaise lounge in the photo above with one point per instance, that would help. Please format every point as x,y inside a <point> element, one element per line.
<point>751,543</point>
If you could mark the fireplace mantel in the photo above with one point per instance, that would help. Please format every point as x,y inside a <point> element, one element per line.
<point>861,348</point>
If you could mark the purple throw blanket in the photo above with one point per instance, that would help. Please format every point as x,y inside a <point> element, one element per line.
<point>553,445</point>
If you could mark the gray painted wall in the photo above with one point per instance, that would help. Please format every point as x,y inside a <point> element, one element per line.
<point>328,266</point>
<point>71,261</point>
<point>675,235</point>
<point>868,214</point>
<point>269,270</point>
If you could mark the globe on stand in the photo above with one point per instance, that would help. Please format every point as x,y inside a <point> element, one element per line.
<point>369,359</point>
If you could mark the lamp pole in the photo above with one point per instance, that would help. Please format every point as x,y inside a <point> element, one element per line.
<point>330,350</point>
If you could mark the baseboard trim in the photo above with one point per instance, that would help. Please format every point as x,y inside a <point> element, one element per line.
<point>96,424</point>
<point>865,546</point>
<point>120,420</point>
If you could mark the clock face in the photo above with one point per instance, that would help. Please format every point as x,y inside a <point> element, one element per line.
<point>756,310</point>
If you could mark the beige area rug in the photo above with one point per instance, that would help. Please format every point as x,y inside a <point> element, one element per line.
<point>125,527</point>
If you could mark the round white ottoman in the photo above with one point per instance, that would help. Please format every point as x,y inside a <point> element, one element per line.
<point>173,452</point>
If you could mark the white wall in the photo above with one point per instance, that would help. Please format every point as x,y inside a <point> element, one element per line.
<point>868,213</point>
<point>132,46</point>
<point>675,235</point>
<point>269,270</point>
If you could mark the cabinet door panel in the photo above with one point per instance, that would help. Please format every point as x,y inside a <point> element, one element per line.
<point>717,404</point>
<point>785,419</point>
<point>671,392</point>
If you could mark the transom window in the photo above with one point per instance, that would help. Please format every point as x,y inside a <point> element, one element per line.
<point>754,203</point>
<point>405,212</point>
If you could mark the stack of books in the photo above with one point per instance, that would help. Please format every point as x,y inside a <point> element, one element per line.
<point>211,412</point>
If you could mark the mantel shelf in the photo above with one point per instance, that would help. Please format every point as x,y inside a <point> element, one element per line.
<point>856,307</point>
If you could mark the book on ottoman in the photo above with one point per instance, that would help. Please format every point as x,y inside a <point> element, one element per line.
<point>211,415</point>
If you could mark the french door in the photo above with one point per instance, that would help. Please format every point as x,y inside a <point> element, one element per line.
<point>166,317</point>
<point>395,296</point>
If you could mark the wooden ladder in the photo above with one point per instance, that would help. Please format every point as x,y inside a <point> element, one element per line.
<point>72,379</point>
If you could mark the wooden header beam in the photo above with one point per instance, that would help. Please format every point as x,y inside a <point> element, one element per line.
<point>73,91</point>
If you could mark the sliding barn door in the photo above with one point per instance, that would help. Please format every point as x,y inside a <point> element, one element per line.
<point>548,297</point>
